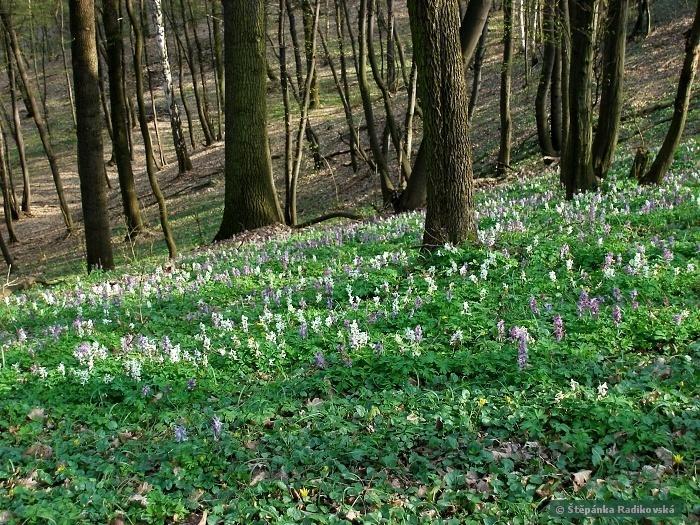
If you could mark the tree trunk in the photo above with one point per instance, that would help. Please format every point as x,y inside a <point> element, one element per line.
<point>577,168</point>
<point>38,118</point>
<point>66,72</point>
<point>184,164</point>
<point>19,136</point>
<point>450,216</point>
<point>478,62</point>
<point>506,120</point>
<point>472,25</point>
<point>610,107</point>
<point>664,158</point>
<point>6,254</point>
<point>143,123</point>
<point>6,191</point>
<point>642,28</point>
<point>250,197</point>
<point>98,238</point>
<point>556,96</point>
<point>543,130</point>
<point>387,185</point>
<point>565,42</point>
<point>120,142</point>
<point>308,22</point>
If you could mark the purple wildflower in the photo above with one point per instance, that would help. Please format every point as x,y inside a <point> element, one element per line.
<point>320,360</point>
<point>501,329</point>
<point>667,254</point>
<point>146,391</point>
<point>303,330</point>
<point>418,333</point>
<point>617,295</point>
<point>558,328</point>
<point>191,384</point>
<point>616,315</point>
<point>180,433</point>
<point>533,306</point>
<point>520,334</point>
<point>583,303</point>
<point>633,299</point>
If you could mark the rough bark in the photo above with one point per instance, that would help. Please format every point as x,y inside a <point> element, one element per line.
<point>577,168</point>
<point>19,136</point>
<point>250,198</point>
<point>612,92</point>
<point>478,63</point>
<point>120,134</point>
<point>309,39</point>
<point>98,238</point>
<point>450,214</point>
<point>664,157</point>
<point>471,27</point>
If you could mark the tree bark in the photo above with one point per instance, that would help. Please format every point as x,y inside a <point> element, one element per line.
<point>143,124</point>
<point>120,135</point>
<point>450,216</point>
<point>478,62</point>
<point>543,130</point>
<point>473,20</point>
<point>610,107</point>
<point>250,198</point>
<point>664,158</point>
<point>98,238</point>
<point>577,168</point>
<point>184,164</point>
<point>309,39</point>
<point>506,119</point>
<point>19,136</point>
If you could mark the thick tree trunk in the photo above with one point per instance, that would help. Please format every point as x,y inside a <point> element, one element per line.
<point>250,198</point>
<point>450,216</point>
<point>577,168</point>
<point>37,114</point>
<point>506,120</point>
<point>556,97</point>
<point>143,124</point>
<point>664,158</point>
<point>120,135</point>
<point>610,107</point>
<point>471,27</point>
<point>184,164</point>
<point>98,238</point>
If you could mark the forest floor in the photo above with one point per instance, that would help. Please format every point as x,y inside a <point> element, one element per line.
<point>195,200</point>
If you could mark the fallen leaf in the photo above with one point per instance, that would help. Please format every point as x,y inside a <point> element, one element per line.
<point>139,499</point>
<point>5,517</point>
<point>581,478</point>
<point>39,451</point>
<point>665,455</point>
<point>36,414</point>
<point>259,476</point>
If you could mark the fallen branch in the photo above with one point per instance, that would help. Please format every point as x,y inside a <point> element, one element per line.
<point>329,216</point>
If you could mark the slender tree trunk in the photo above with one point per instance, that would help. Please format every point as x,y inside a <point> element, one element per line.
<point>98,238</point>
<point>556,98</point>
<point>143,123</point>
<point>19,136</point>
<point>450,216</point>
<point>478,62</point>
<point>218,49</point>
<point>309,38</point>
<point>120,141</point>
<point>288,161</point>
<point>506,120</point>
<point>184,163</point>
<point>664,158</point>
<point>6,254</point>
<point>305,96</point>
<point>38,118</point>
<point>577,168</point>
<point>387,185</point>
<point>610,107</point>
<point>154,110</point>
<point>565,42</point>
<point>642,27</point>
<point>355,145</point>
<point>391,77</point>
<point>543,130</point>
<point>250,198</point>
<point>6,192</point>
<point>66,72</point>
<point>183,97</point>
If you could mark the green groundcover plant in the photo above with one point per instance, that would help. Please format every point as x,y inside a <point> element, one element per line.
<point>339,376</point>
